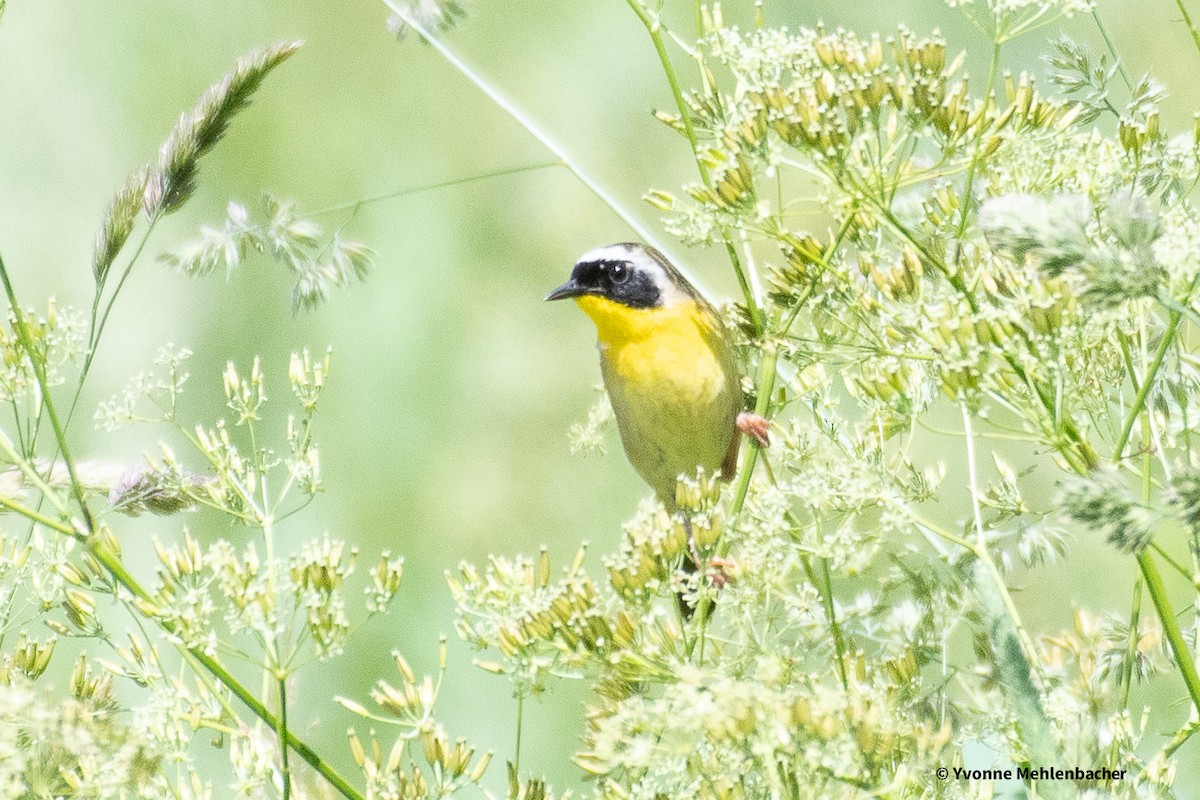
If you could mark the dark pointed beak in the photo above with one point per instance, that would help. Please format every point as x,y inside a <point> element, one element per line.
<point>569,289</point>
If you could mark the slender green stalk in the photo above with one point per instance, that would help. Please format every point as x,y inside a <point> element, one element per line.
<point>653,27</point>
<point>31,474</point>
<point>1154,584</point>
<point>1135,613</point>
<point>765,388</point>
<point>281,681</point>
<point>520,726</point>
<point>824,584</point>
<point>428,187</point>
<point>1187,20</point>
<point>1166,615</point>
<point>985,557</point>
<point>39,371</point>
<point>762,406</point>
<point>112,563</point>
<point>114,566</point>
<point>1139,400</point>
<point>1187,574</point>
<point>1081,455</point>
<point>41,519</point>
<point>533,128</point>
<point>976,158</point>
<point>99,322</point>
<point>1112,50</point>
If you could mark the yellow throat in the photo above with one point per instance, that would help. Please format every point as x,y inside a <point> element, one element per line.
<point>617,323</point>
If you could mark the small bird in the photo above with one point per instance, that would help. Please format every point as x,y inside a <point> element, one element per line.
<point>668,365</point>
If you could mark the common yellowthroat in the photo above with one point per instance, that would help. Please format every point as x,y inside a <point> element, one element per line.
<point>668,366</point>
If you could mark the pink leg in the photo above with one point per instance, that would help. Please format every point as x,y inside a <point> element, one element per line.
<point>755,427</point>
<point>723,571</point>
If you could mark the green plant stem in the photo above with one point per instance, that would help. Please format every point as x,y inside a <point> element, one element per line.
<point>98,326</point>
<point>1191,26</point>
<point>985,557</point>
<point>1154,584</point>
<point>1166,615</point>
<point>526,122</point>
<point>1135,613</point>
<point>281,681</point>
<point>115,567</point>
<point>824,584</point>
<point>1112,50</point>
<point>654,28</point>
<point>976,157</point>
<point>766,380</point>
<point>1139,400</point>
<point>765,387</point>
<point>428,187</point>
<point>112,563</point>
<point>1079,453</point>
<point>1082,457</point>
<point>41,519</point>
<point>1185,573</point>
<point>31,474</point>
<point>520,724</point>
<point>39,371</point>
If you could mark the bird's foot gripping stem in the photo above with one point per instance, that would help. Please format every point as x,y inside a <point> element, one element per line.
<point>755,427</point>
<point>721,571</point>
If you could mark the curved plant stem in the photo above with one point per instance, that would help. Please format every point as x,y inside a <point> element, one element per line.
<point>41,519</point>
<point>520,726</point>
<point>1187,20</point>
<point>765,388</point>
<point>654,27</point>
<point>99,321</point>
<point>973,167</point>
<point>39,371</point>
<point>985,557</point>
<point>1166,615</point>
<point>1185,573</point>
<point>428,187</point>
<point>526,122</point>
<point>1135,613</point>
<point>1139,400</point>
<point>824,584</point>
<point>1112,50</point>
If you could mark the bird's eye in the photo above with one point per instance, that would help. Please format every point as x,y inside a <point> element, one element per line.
<point>618,273</point>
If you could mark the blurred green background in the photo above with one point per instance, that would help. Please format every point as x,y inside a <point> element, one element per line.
<point>443,429</point>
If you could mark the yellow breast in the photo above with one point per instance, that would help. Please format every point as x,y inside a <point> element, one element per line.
<point>673,382</point>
